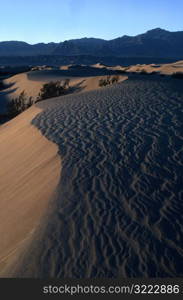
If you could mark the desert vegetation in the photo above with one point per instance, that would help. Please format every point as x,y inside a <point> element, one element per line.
<point>53,89</point>
<point>109,80</point>
<point>49,90</point>
<point>19,104</point>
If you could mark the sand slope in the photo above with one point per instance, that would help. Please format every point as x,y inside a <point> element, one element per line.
<point>118,210</point>
<point>32,82</point>
<point>82,78</point>
<point>166,69</point>
<point>30,168</point>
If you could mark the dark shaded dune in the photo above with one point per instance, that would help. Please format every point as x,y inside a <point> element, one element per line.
<point>71,72</point>
<point>119,206</point>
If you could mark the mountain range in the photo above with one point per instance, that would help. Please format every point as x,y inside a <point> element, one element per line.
<point>154,43</point>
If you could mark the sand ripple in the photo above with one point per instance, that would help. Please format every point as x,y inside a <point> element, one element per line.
<point>119,205</point>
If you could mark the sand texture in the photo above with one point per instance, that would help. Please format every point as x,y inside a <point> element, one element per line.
<point>81,79</point>
<point>118,209</point>
<point>29,173</point>
<point>166,69</point>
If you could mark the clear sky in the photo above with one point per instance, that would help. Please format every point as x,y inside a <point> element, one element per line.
<point>58,20</point>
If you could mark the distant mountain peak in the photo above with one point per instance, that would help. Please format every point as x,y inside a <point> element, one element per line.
<point>158,29</point>
<point>157,32</point>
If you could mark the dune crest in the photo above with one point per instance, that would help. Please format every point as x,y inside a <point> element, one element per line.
<point>117,210</point>
<point>32,82</point>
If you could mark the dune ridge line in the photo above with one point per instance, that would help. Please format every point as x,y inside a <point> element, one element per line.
<point>30,170</point>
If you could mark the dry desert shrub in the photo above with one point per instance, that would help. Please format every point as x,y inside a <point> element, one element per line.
<point>19,104</point>
<point>109,80</point>
<point>53,89</point>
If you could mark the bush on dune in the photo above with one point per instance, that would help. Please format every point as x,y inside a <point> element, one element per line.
<point>115,79</point>
<point>53,89</point>
<point>102,82</point>
<point>108,80</point>
<point>49,90</point>
<point>19,104</point>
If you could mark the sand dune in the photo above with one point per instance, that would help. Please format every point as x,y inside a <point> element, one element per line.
<point>30,168</point>
<point>115,208</point>
<point>119,200</point>
<point>81,79</point>
<point>167,69</point>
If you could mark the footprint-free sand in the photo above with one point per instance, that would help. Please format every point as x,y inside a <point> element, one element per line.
<point>117,209</point>
<point>29,173</point>
<point>91,183</point>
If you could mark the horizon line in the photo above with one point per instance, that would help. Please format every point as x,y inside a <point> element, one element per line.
<point>58,42</point>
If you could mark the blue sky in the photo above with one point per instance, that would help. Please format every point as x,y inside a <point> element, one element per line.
<point>58,20</point>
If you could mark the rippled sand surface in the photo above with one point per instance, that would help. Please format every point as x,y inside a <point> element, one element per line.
<point>118,210</point>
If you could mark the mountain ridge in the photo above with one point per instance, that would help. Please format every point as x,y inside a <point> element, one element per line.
<point>153,43</point>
